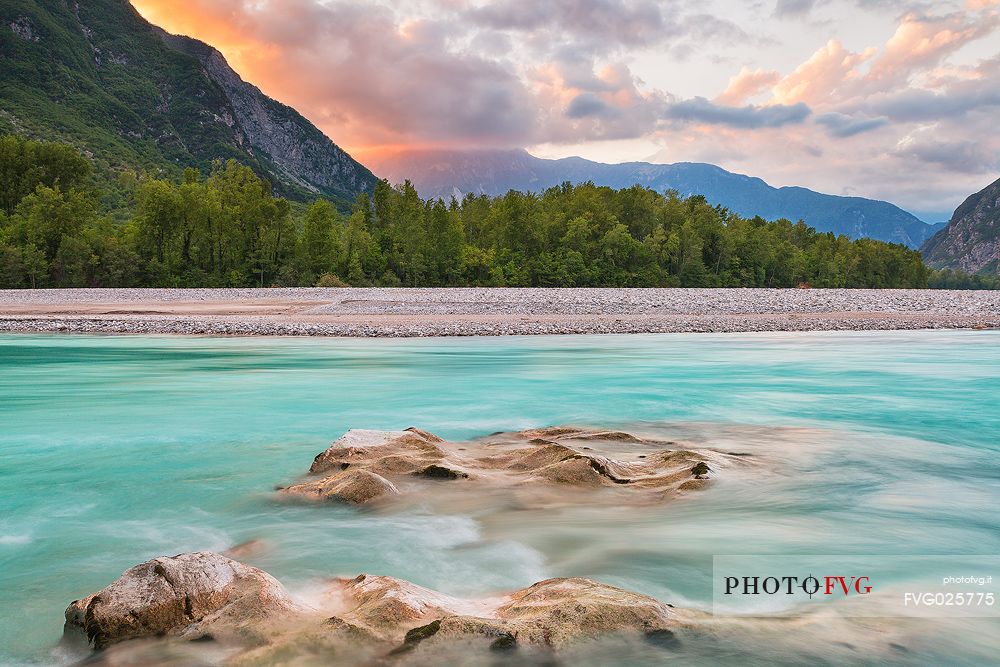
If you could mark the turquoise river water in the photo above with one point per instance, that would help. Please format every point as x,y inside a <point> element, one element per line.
<point>114,450</point>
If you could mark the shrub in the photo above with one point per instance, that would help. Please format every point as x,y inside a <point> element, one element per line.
<point>330,280</point>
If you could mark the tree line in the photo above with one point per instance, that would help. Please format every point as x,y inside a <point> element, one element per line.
<point>227,229</point>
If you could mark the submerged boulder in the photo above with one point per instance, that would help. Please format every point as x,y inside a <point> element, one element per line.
<point>176,595</point>
<point>354,468</point>
<point>365,465</point>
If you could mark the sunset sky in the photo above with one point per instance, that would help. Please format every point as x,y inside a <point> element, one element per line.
<point>881,98</point>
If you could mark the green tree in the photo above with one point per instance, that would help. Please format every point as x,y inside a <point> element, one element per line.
<point>320,240</point>
<point>36,268</point>
<point>446,240</point>
<point>73,262</point>
<point>45,216</point>
<point>160,213</point>
<point>12,271</point>
<point>25,165</point>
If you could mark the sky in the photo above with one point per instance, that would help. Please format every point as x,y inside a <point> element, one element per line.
<point>889,99</point>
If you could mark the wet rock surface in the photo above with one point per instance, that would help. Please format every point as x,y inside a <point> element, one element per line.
<point>364,466</point>
<point>550,614</point>
<point>373,616</point>
<point>191,594</point>
<point>350,486</point>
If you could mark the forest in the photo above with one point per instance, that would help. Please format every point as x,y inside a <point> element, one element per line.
<point>59,227</point>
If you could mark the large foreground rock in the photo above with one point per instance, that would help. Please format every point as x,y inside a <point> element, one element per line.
<point>365,465</point>
<point>182,594</point>
<point>206,596</point>
<point>377,620</point>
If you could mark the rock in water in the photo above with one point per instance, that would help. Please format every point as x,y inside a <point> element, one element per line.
<point>557,611</point>
<point>549,614</point>
<point>364,465</point>
<point>208,596</point>
<point>354,465</point>
<point>389,607</point>
<point>362,445</point>
<point>176,595</point>
<point>373,620</point>
<point>349,486</point>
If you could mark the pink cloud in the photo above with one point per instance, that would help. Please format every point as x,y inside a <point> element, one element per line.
<point>747,84</point>
<point>830,73</point>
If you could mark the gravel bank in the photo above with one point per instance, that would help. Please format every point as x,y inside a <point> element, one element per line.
<point>488,311</point>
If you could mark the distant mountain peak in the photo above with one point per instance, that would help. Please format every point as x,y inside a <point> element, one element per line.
<point>443,173</point>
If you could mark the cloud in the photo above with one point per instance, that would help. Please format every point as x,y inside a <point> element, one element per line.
<point>843,126</point>
<point>381,81</point>
<point>961,156</point>
<point>824,76</point>
<point>623,22</point>
<point>746,84</point>
<point>588,104</point>
<point>700,110</point>
<point>576,102</point>
<point>603,27</point>
<point>915,105</point>
<point>785,8</point>
<point>922,41</point>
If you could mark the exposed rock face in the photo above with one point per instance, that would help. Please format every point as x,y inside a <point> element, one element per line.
<point>365,465</point>
<point>23,28</point>
<point>971,241</point>
<point>301,153</point>
<point>184,594</point>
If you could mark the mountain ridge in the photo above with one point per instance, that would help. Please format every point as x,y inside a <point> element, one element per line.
<point>99,76</point>
<point>446,173</point>
<point>971,240</point>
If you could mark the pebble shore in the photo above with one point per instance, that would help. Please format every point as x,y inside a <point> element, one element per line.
<point>406,312</point>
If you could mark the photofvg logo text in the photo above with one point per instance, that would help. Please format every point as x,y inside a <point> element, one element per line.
<point>810,585</point>
<point>874,586</point>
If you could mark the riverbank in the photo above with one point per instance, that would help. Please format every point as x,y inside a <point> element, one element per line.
<point>408,312</point>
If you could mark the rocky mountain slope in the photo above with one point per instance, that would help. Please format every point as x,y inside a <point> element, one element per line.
<point>97,75</point>
<point>447,173</point>
<point>971,241</point>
